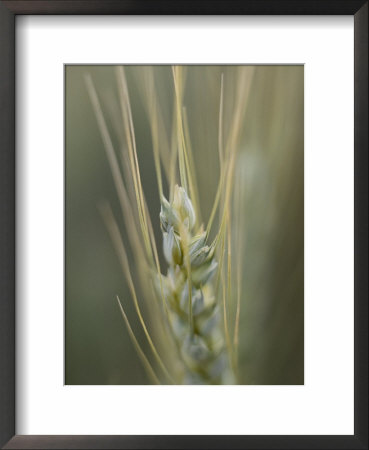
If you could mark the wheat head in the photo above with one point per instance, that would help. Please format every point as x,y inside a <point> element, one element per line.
<point>184,309</point>
<point>194,314</point>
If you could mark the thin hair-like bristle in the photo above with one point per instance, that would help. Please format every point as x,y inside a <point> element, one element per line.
<point>139,350</point>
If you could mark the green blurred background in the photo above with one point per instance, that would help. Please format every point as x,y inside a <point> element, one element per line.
<point>98,349</point>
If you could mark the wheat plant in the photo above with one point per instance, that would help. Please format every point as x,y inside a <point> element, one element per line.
<point>186,289</point>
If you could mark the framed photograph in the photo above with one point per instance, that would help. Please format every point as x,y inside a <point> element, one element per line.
<point>184,224</point>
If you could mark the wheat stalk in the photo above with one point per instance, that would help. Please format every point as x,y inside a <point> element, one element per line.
<point>187,309</point>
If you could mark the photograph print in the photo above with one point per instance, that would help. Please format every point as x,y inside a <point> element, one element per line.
<point>184,225</point>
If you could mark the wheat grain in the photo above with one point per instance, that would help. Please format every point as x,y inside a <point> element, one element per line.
<point>195,316</point>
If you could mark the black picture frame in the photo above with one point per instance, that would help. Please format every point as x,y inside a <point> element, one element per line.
<point>8,12</point>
